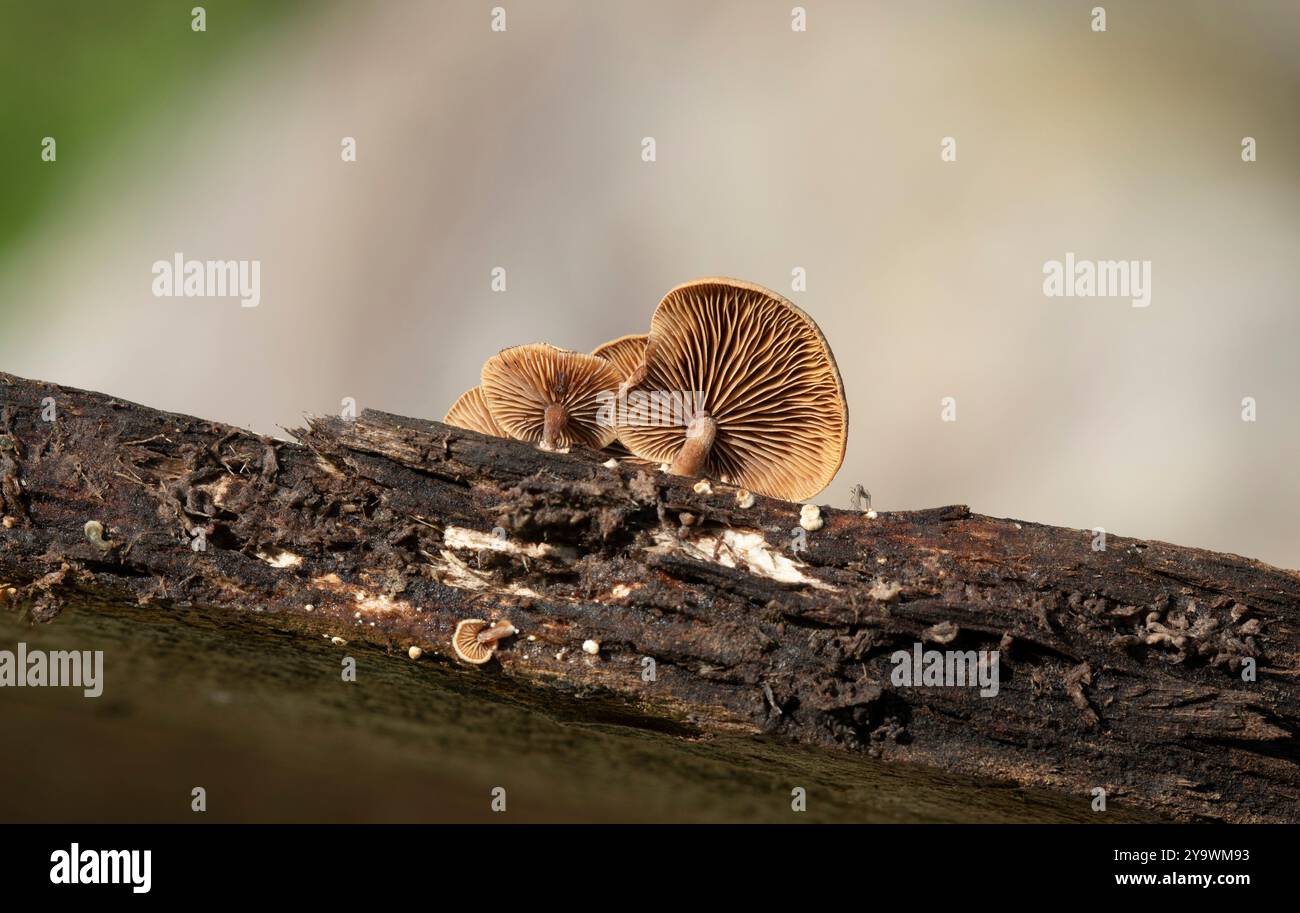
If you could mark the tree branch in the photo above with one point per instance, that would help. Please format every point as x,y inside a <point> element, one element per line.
<point>1120,669</point>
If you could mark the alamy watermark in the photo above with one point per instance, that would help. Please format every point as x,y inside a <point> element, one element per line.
<point>25,668</point>
<point>77,866</point>
<point>951,668</point>
<point>648,408</point>
<point>181,278</point>
<point>1098,279</point>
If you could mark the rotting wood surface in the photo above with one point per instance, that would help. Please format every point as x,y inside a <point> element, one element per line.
<point>1119,669</point>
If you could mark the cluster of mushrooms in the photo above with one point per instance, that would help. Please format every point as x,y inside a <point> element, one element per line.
<point>768,409</point>
<point>767,404</point>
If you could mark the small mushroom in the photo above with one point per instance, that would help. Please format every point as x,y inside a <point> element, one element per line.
<point>550,396</point>
<point>769,409</point>
<point>624,354</point>
<point>591,647</point>
<point>415,652</point>
<point>475,640</point>
<point>94,531</point>
<point>471,412</point>
<point>744,499</point>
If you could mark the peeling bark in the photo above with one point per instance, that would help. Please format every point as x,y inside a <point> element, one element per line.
<point>1120,669</point>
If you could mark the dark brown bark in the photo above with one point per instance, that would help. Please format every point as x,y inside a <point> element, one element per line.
<point>1120,669</point>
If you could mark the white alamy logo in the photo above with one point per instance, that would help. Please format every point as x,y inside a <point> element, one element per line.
<point>648,408</point>
<point>1098,279</point>
<point>25,668</point>
<point>181,278</point>
<point>78,866</point>
<point>946,668</point>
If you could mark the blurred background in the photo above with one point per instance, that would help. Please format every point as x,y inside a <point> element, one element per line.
<point>775,150</point>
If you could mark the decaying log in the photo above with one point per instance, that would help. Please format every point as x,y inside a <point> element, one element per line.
<point>1127,668</point>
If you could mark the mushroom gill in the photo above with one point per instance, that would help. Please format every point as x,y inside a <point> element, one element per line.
<point>552,397</point>
<point>471,411</point>
<point>475,640</point>
<point>765,404</point>
<point>623,353</point>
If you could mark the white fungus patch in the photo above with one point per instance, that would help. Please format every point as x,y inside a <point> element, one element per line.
<point>220,489</point>
<point>702,487</point>
<point>744,499</point>
<point>591,647</point>
<point>810,517</point>
<point>458,574</point>
<point>882,591</point>
<point>326,466</point>
<point>415,652</point>
<point>871,515</point>
<point>460,537</point>
<point>621,591</point>
<point>382,602</point>
<point>282,560</point>
<point>611,463</point>
<point>367,602</point>
<point>739,548</point>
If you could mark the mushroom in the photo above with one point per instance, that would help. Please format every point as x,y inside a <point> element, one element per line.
<point>475,640</point>
<point>550,396</point>
<point>768,404</point>
<point>623,353</point>
<point>471,412</point>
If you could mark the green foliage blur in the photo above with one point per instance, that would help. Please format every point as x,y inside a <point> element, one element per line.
<point>81,71</point>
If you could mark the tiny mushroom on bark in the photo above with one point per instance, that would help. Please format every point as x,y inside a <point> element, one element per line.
<point>768,404</point>
<point>471,412</point>
<point>551,397</point>
<point>475,640</point>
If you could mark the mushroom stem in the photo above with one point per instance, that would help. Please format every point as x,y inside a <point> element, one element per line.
<point>553,421</point>
<point>699,441</point>
<point>498,631</point>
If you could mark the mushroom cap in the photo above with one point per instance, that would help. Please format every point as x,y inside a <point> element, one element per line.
<point>467,645</point>
<point>623,353</point>
<point>520,382</point>
<point>767,378</point>
<point>471,412</point>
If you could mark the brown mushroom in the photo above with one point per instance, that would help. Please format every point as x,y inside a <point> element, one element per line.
<point>552,396</point>
<point>767,404</point>
<point>624,353</point>
<point>475,640</point>
<point>471,411</point>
